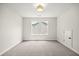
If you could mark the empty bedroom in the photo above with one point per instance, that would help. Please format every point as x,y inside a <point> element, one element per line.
<point>39,29</point>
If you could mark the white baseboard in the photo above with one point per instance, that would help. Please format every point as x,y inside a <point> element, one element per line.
<point>69,47</point>
<point>9,48</point>
<point>41,39</point>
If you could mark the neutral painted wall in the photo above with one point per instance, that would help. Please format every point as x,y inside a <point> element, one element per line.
<point>52,29</point>
<point>69,20</point>
<point>10,28</point>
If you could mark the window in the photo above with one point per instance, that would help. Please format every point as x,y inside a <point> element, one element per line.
<point>39,27</point>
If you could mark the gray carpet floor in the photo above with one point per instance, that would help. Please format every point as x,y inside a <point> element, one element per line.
<point>40,48</point>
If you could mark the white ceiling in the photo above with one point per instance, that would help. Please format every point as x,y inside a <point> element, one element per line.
<point>51,10</point>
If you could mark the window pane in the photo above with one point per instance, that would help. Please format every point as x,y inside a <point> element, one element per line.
<point>39,27</point>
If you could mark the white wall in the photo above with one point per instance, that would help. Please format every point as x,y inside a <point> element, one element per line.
<point>10,28</point>
<point>52,29</point>
<point>69,20</point>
